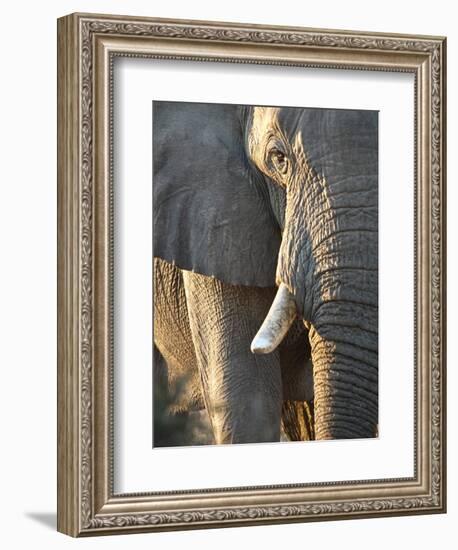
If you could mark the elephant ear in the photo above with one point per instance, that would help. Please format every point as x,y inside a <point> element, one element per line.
<point>209,215</point>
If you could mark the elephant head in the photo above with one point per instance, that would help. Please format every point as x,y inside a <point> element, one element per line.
<point>288,197</point>
<point>327,271</point>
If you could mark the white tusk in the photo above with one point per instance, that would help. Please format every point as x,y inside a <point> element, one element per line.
<point>281,315</point>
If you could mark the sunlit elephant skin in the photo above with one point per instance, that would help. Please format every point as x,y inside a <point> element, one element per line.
<point>203,329</point>
<point>258,197</point>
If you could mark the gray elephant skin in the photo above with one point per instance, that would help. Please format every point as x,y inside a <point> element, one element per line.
<point>248,200</point>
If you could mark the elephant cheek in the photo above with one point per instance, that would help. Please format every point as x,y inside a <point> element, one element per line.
<point>295,270</point>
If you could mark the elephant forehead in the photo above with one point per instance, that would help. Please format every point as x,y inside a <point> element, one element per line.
<point>274,127</point>
<point>264,122</point>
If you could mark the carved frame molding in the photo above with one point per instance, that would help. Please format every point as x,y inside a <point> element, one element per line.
<point>87,45</point>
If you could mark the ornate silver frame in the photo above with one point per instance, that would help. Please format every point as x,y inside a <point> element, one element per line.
<point>87,44</point>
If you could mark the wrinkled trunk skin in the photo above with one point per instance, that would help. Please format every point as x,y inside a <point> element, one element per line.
<point>330,242</point>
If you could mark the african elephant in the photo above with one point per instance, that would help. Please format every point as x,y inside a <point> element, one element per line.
<point>249,198</point>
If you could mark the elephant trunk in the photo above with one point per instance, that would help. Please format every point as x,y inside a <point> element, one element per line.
<point>343,338</point>
<point>341,307</point>
<point>328,261</point>
<point>345,370</point>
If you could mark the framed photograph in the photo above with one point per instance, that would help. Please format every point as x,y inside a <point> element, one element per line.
<point>251,288</point>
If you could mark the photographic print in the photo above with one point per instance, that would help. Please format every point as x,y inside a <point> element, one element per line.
<point>265,244</point>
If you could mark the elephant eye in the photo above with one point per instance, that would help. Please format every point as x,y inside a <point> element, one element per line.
<point>279,161</point>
